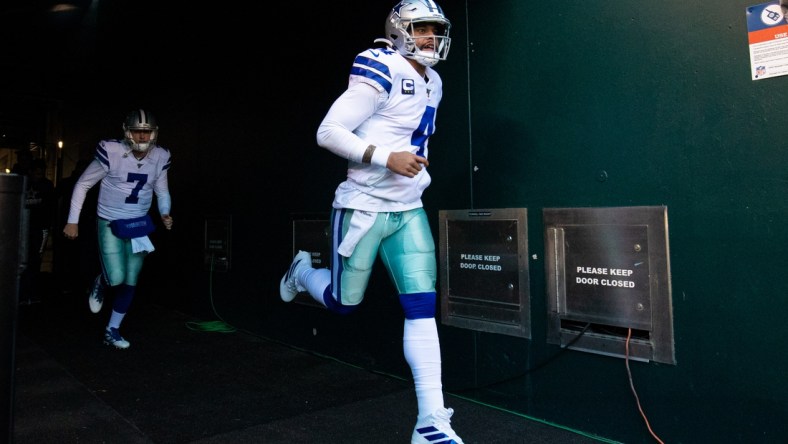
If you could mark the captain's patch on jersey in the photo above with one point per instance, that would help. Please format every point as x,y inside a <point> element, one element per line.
<point>408,86</point>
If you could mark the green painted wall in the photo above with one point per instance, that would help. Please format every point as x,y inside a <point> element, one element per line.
<point>541,97</point>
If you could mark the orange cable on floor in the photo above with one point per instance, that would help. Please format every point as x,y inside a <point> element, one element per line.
<point>632,386</point>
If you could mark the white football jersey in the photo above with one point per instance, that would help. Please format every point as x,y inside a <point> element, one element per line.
<point>403,120</point>
<point>127,184</point>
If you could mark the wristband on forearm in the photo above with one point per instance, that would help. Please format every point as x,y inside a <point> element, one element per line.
<point>367,157</point>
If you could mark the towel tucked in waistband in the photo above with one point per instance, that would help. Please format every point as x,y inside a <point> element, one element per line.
<point>140,244</point>
<point>360,223</point>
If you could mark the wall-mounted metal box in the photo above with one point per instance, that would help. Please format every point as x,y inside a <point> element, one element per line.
<point>217,252</point>
<point>484,270</point>
<point>608,281</point>
<point>312,233</point>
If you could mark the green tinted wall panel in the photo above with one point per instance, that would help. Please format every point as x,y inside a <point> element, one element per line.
<point>615,103</point>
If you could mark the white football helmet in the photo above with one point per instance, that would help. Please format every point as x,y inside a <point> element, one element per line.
<point>399,30</point>
<point>140,120</point>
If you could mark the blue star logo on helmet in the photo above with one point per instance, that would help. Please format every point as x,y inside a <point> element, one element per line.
<point>399,6</point>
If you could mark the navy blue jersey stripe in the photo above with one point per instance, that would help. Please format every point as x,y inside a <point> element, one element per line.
<point>336,264</point>
<point>372,63</point>
<point>101,155</point>
<point>378,72</point>
<point>363,72</point>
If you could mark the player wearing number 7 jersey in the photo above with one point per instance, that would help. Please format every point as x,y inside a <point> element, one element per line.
<point>131,172</point>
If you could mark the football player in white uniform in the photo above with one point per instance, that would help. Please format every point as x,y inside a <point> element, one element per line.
<point>382,124</point>
<point>131,171</point>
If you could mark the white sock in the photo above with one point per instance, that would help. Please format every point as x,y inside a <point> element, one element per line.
<point>315,280</point>
<point>115,320</point>
<point>422,351</point>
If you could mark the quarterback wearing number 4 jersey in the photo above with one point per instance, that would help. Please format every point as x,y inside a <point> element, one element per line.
<point>402,118</point>
<point>131,172</point>
<point>381,124</point>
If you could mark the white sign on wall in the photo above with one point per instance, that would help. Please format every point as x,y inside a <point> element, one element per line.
<point>767,29</point>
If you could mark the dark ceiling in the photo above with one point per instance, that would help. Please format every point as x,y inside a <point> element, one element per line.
<point>45,44</point>
<point>111,55</point>
<point>99,53</point>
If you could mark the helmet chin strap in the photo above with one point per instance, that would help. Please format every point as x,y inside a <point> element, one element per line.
<point>425,58</point>
<point>138,148</point>
<point>141,147</point>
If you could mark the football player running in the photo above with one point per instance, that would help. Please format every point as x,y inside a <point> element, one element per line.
<point>131,171</point>
<point>381,124</point>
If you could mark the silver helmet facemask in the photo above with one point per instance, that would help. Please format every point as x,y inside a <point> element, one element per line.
<point>140,120</point>
<point>400,25</point>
